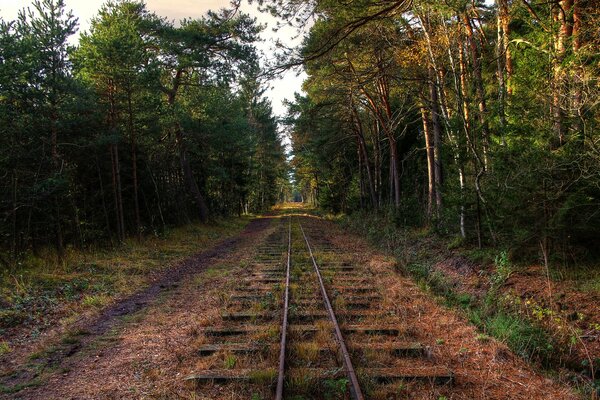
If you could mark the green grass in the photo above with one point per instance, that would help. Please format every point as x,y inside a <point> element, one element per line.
<point>230,362</point>
<point>39,286</point>
<point>585,277</point>
<point>525,335</point>
<point>17,388</point>
<point>522,335</point>
<point>4,348</point>
<point>95,300</point>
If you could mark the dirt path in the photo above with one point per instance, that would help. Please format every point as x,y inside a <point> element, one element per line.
<point>100,331</point>
<point>144,348</point>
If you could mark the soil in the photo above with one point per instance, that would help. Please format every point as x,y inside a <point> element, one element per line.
<point>571,316</point>
<point>25,364</point>
<point>145,346</point>
<point>483,367</point>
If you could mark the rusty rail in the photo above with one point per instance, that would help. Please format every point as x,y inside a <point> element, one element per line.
<point>354,385</point>
<point>284,325</point>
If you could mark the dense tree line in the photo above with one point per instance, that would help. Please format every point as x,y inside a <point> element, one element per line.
<point>143,125</point>
<point>473,118</point>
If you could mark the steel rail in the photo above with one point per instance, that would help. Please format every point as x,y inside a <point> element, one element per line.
<point>355,387</point>
<point>284,325</point>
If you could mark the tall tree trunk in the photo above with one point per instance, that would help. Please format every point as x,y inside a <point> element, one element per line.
<point>430,161</point>
<point>479,90</point>
<point>190,182</point>
<point>134,174</point>
<point>104,208</point>
<point>385,119</point>
<point>437,139</point>
<point>60,246</point>
<point>562,16</point>
<point>362,147</point>
<point>361,178</point>
<point>500,66</point>
<point>463,103</point>
<point>395,173</point>
<point>452,134</point>
<point>117,189</point>
<point>463,90</point>
<point>186,168</point>
<point>56,168</point>
<point>116,167</point>
<point>578,72</point>
<point>506,55</point>
<point>158,197</point>
<point>13,243</point>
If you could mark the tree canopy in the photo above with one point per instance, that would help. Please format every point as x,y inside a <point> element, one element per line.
<point>143,125</point>
<point>473,119</point>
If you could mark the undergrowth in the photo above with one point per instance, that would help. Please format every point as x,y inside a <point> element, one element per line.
<point>417,251</point>
<point>41,288</point>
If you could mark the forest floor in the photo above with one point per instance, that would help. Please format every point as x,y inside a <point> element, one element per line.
<point>47,307</point>
<point>549,317</point>
<point>143,346</point>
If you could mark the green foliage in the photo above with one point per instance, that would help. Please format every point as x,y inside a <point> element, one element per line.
<point>517,156</point>
<point>503,269</point>
<point>526,339</point>
<point>490,313</point>
<point>335,388</point>
<point>4,348</point>
<point>230,362</point>
<point>102,140</point>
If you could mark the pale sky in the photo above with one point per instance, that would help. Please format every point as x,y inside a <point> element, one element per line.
<point>178,9</point>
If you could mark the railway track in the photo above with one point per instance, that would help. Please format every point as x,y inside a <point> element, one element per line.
<point>306,322</point>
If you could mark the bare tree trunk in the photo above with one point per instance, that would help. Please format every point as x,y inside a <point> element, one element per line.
<point>362,146</point>
<point>60,247</point>
<point>500,65</point>
<point>430,161</point>
<point>437,140</point>
<point>121,214</point>
<point>461,180</point>
<point>560,13</point>
<point>479,164</point>
<point>158,198</point>
<point>506,55</point>
<point>578,73</point>
<point>132,135</point>
<point>453,135</point>
<point>395,173</point>
<point>13,243</point>
<point>76,222</point>
<point>106,217</point>
<point>377,162</point>
<point>463,94</point>
<point>479,233</point>
<point>188,175</point>
<point>361,178</point>
<point>385,119</point>
<point>478,83</point>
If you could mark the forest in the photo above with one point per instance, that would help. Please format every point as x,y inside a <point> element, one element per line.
<point>435,186</point>
<point>476,119</point>
<point>144,124</point>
